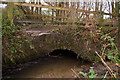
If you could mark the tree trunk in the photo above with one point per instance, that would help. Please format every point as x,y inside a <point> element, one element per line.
<point>36,10</point>
<point>112,3</point>
<point>56,11</point>
<point>101,14</point>
<point>40,11</point>
<point>119,27</point>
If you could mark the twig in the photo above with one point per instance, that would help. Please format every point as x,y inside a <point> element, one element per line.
<point>105,74</point>
<point>75,73</point>
<point>112,63</point>
<point>105,64</point>
<point>103,51</point>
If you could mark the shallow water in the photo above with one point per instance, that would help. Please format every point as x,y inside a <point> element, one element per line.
<point>49,67</point>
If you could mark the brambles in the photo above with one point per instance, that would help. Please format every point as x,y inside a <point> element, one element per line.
<point>109,48</point>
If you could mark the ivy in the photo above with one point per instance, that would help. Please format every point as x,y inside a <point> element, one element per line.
<point>13,37</point>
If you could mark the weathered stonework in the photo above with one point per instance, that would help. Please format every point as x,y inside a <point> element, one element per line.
<point>65,39</point>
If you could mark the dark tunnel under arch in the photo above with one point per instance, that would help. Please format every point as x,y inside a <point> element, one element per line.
<point>63,52</point>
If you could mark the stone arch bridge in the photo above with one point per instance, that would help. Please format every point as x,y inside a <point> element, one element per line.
<point>47,39</point>
<point>44,40</point>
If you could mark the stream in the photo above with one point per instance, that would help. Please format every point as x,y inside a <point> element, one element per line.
<point>52,67</point>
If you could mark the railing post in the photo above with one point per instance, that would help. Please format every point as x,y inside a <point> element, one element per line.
<point>10,12</point>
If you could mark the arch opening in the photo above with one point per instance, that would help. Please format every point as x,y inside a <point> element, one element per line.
<point>63,53</point>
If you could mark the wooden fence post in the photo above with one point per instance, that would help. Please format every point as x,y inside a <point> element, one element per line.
<point>10,12</point>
